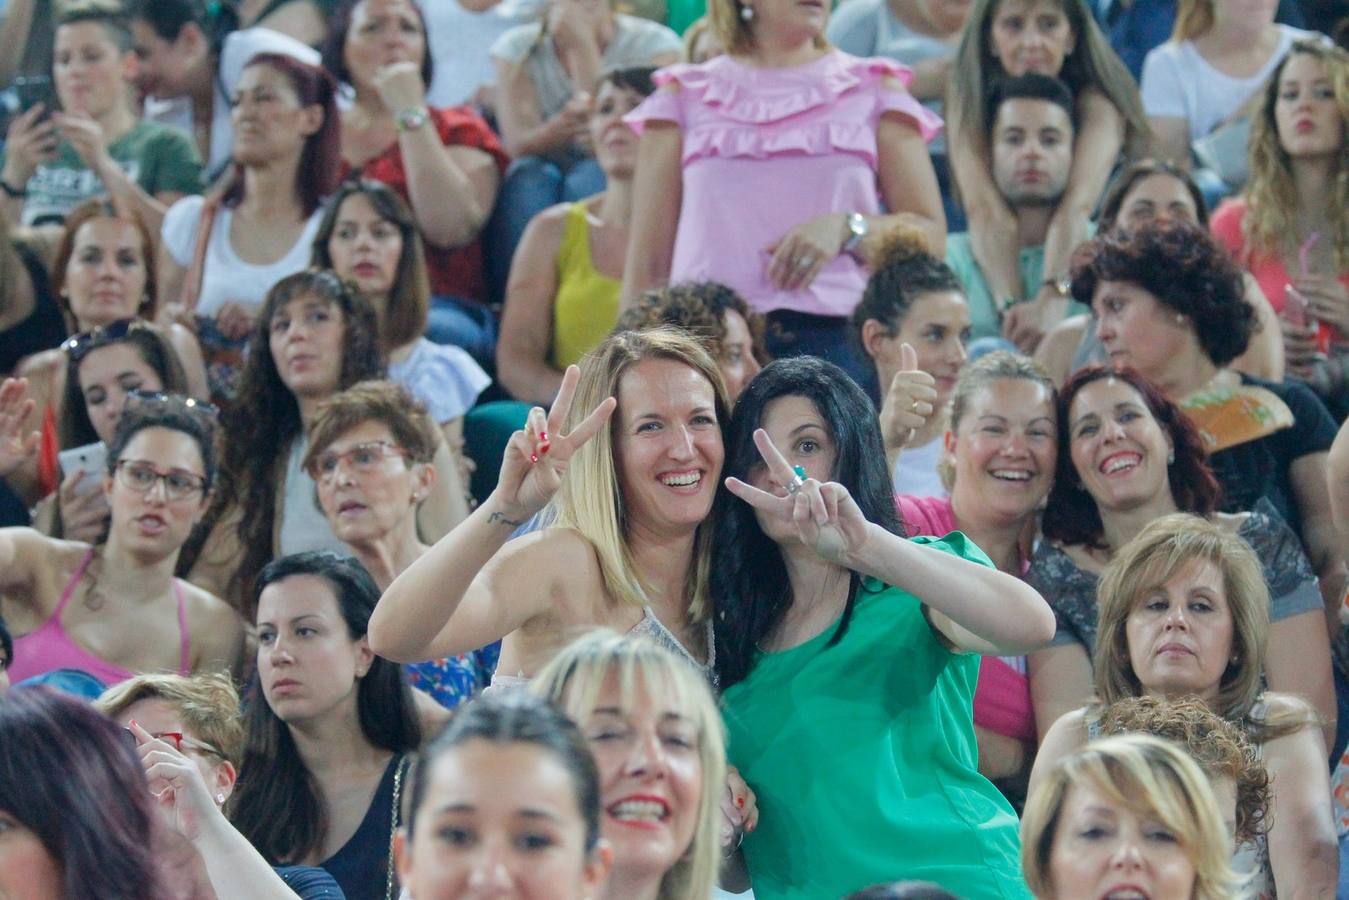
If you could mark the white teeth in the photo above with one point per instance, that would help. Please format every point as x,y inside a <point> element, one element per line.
<point>682,480</point>
<point>1011,475</point>
<point>639,810</point>
<point>1122,462</point>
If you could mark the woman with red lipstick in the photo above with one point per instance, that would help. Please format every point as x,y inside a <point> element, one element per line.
<point>114,608</point>
<point>562,298</point>
<point>327,744</point>
<point>1185,612</point>
<point>812,148</point>
<point>1169,302</point>
<point>445,163</point>
<point>1128,456</point>
<point>1131,817</point>
<point>998,457</point>
<point>1059,38</point>
<point>370,454</point>
<point>1291,224</point>
<point>315,336</point>
<point>368,236</point>
<point>627,462</point>
<point>913,298</point>
<point>660,749</point>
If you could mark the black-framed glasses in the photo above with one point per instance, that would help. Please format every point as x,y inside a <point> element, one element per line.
<point>364,458</point>
<point>79,346</point>
<point>141,477</point>
<point>179,741</point>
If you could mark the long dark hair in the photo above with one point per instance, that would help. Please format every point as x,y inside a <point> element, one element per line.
<point>1071,514</point>
<point>409,300</point>
<point>516,717</point>
<point>71,776</point>
<point>74,428</point>
<point>750,589</point>
<point>265,418</point>
<point>278,806</point>
<point>321,160</point>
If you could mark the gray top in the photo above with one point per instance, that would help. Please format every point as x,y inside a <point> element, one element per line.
<point>636,42</point>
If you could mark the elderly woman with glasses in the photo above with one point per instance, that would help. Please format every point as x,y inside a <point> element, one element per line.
<point>114,609</point>
<point>189,736</point>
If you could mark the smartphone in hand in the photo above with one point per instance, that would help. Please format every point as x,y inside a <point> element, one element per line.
<point>91,459</point>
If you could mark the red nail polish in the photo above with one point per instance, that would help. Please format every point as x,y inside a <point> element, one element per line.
<point>543,448</point>
<point>740,801</point>
<point>533,457</point>
<point>543,436</point>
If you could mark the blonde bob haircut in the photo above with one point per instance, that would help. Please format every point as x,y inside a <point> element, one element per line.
<point>208,705</point>
<point>590,499</point>
<point>1151,559</point>
<point>1149,777</point>
<point>734,33</point>
<point>1269,225</point>
<point>647,675</point>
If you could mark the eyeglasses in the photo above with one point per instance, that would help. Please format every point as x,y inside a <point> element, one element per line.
<point>179,741</point>
<point>364,458</point>
<point>80,346</point>
<point>141,477</point>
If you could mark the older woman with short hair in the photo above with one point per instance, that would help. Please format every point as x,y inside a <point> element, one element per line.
<point>1185,612</point>
<point>371,450</point>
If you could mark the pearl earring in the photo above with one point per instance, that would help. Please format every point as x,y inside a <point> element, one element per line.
<point>220,799</point>
<point>746,12</point>
<point>1171,457</point>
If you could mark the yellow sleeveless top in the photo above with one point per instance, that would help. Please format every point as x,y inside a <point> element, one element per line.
<point>585,309</point>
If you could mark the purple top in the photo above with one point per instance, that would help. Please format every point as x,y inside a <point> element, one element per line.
<point>765,149</point>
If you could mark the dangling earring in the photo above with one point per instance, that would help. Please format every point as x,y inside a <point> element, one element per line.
<point>746,12</point>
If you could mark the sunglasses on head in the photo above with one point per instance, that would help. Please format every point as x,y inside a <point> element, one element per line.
<point>143,399</point>
<point>79,346</point>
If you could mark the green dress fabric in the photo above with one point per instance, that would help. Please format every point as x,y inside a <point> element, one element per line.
<point>863,759</point>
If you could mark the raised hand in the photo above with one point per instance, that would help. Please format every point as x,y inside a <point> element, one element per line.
<point>824,515</point>
<point>536,456</point>
<point>31,141</point>
<point>86,136</point>
<point>400,86</point>
<point>909,401</point>
<point>84,516</point>
<point>181,796</point>
<point>16,445</point>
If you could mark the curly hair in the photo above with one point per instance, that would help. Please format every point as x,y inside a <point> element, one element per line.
<point>1071,515</point>
<point>698,307</point>
<point>1219,747</point>
<point>374,401</point>
<point>902,270</point>
<point>1185,269</point>
<point>1271,196</point>
<point>264,419</point>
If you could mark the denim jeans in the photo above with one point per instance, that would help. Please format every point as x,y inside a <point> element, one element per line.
<point>465,324</point>
<point>532,185</point>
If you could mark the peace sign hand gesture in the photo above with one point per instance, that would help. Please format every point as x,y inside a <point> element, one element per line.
<point>536,456</point>
<point>825,516</point>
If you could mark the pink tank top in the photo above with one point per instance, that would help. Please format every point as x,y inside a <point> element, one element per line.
<point>49,647</point>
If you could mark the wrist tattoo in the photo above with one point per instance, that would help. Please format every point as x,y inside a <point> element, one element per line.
<point>496,517</point>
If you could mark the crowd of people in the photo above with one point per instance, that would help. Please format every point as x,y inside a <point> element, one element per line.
<point>674,450</point>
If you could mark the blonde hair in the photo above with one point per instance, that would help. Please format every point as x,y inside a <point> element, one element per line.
<point>1156,554</point>
<point>590,499</point>
<point>1193,19</point>
<point>1151,778</point>
<point>208,705</point>
<point>1000,365</point>
<point>574,679</point>
<point>1269,224</point>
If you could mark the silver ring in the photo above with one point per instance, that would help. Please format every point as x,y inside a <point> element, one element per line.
<point>805,262</point>
<point>795,485</point>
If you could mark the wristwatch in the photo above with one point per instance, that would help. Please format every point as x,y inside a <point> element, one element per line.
<point>857,229</point>
<point>412,118</point>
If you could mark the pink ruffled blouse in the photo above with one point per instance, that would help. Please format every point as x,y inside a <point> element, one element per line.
<point>765,149</point>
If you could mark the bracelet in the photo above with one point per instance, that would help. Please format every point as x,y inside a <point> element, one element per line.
<point>12,191</point>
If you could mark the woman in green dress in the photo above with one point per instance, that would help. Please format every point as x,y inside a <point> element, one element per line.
<point>849,655</point>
